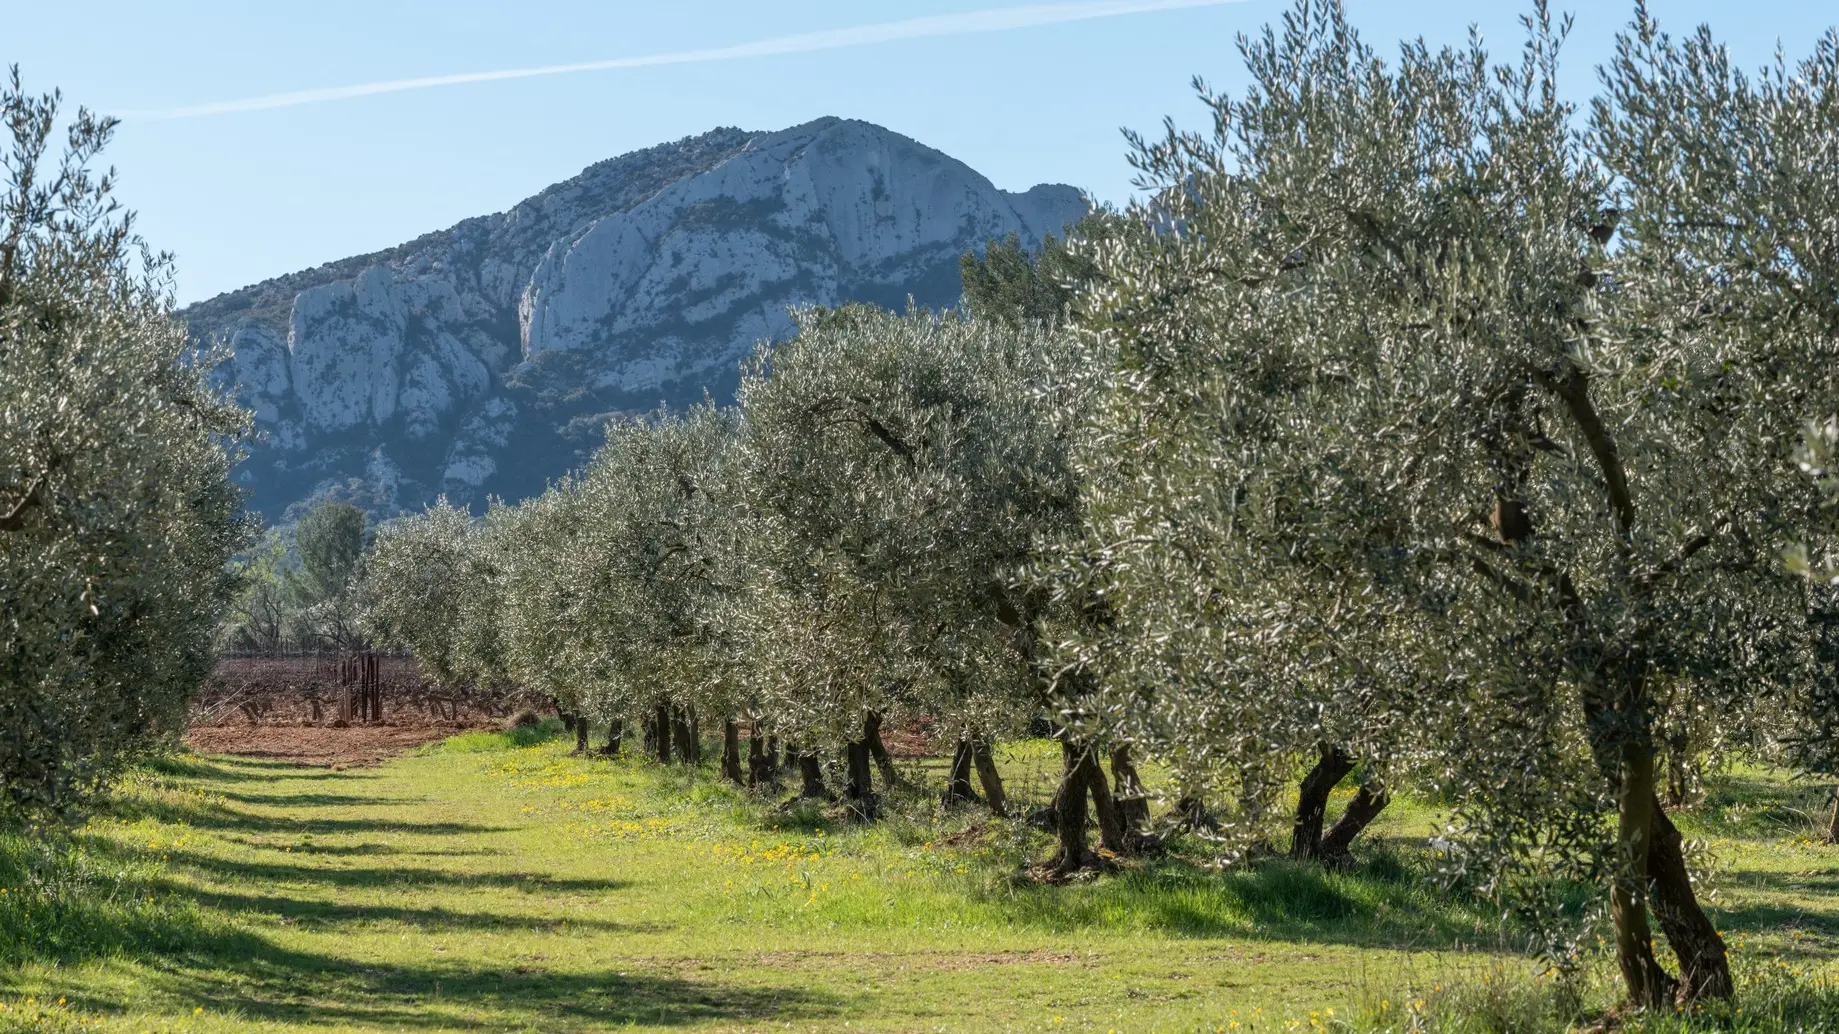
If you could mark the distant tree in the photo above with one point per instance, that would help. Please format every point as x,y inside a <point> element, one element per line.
<point>117,513</point>
<point>329,541</point>
<point>260,613</point>
<point>1009,283</point>
<point>417,582</point>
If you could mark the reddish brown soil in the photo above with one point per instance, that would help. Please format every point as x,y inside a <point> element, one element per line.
<point>319,744</point>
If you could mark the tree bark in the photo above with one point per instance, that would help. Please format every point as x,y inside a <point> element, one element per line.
<point>878,749</point>
<point>859,791</point>
<point>1312,802</point>
<point>759,771</point>
<point>1127,788</point>
<point>662,744</point>
<point>773,764</point>
<point>958,785</point>
<point>731,753</point>
<point>1110,822</point>
<point>811,774</point>
<point>1704,963</point>
<point>989,777</point>
<point>616,731</point>
<point>685,738</point>
<point>1648,985</point>
<point>1371,799</point>
<point>581,735</point>
<point>1069,807</point>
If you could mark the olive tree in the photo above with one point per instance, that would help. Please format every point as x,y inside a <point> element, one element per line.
<point>117,513</point>
<point>899,469</point>
<point>420,576</point>
<point>1403,448</point>
<point>651,569</point>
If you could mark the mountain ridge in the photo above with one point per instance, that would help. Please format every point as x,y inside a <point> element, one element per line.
<point>482,359</point>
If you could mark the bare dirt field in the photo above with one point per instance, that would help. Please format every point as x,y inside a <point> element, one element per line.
<point>299,708</point>
<point>320,744</point>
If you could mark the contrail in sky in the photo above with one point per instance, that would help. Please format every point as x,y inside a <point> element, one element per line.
<point>962,24</point>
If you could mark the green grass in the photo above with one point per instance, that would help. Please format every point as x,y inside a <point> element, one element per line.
<point>494,883</point>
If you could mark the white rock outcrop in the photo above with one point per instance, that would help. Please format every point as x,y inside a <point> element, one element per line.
<point>469,361</point>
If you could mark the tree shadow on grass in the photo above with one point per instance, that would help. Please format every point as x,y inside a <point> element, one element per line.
<point>333,913</point>
<point>1383,902</point>
<point>226,768</point>
<point>218,817</point>
<point>246,974</point>
<point>238,872</point>
<point>371,848</point>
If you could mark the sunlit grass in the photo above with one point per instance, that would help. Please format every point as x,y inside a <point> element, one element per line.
<point>497,882</point>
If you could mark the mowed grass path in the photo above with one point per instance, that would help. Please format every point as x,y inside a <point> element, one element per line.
<point>488,887</point>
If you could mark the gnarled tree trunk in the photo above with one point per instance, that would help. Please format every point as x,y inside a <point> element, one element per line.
<point>1110,821</point>
<point>731,753</point>
<point>683,730</point>
<point>759,768</point>
<point>616,731</point>
<point>989,777</point>
<point>1368,802</point>
<point>1649,986</point>
<point>1069,808</point>
<point>958,781</point>
<point>878,749</point>
<point>811,776</point>
<point>1312,801</point>
<point>1127,789</point>
<point>661,721</point>
<point>1704,963</point>
<point>859,791</point>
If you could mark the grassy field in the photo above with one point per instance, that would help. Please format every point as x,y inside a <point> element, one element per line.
<point>492,885</point>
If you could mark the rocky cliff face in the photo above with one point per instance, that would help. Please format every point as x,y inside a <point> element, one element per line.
<point>484,359</point>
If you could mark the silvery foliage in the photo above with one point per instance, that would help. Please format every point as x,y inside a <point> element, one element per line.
<point>117,513</point>
<point>1729,181</point>
<point>427,587</point>
<point>650,566</point>
<point>899,471</point>
<point>1402,450</point>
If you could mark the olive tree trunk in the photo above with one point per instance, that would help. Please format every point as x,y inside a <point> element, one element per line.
<point>661,744</point>
<point>759,768</point>
<point>1312,802</point>
<point>1704,963</point>
<point>1649,986</point>
<point>811,777</point>
<point>1132,798</point>
<point>1368,802</point>
<point>1069,810</point>
<point>731,753</point>
<point>958,783</point>
<point>859,791</point>
<point>878,749</point>
<point>1104,806</point>
<point>989,777</point>
<point>616,731</point>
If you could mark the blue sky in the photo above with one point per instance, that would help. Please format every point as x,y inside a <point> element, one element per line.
<point>245,195</point>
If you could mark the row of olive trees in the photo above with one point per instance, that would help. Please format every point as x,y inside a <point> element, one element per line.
<point>1416,422</point>
<point>117,512</point>
<point>837,552</point>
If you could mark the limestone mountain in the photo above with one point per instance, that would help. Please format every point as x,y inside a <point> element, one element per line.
<point>484,359</point>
